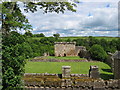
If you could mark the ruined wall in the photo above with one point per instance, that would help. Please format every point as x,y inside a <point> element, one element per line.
<point>76,82</point>
<point>64,48</point>
<point>70,81</point>
<point>116,70</point>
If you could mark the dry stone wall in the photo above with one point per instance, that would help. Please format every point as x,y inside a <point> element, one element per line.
<point>58,60</point>
<point>51,81</point>
<point>70,81</point>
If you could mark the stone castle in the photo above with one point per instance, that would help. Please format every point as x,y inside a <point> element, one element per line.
<point>67,49</point>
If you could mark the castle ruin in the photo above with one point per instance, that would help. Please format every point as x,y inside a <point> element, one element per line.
<point>67,49</point>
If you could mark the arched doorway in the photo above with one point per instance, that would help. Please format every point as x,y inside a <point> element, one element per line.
<point>64,54</point>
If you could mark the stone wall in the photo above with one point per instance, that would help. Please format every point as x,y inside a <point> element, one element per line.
<point>64,48</point>
<point>75,82</point>
<point>58,60</point>
<point>94,72</point>
<point>66,80</point>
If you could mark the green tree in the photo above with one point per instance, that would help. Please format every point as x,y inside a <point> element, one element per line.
<point>28,33</point>
<point>105,44</point>
<point>57,35</point>
<point>118,44</point>
<point>97,53</point>
<point>92,41</point>
<point>68,40</point>
<point>13,19</point>
<point>12,61</point>
<point>39,35</point>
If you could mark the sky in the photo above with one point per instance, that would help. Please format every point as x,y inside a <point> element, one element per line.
<point>91,19</point>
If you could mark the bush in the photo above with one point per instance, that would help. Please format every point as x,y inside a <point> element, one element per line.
<point>97,53</point>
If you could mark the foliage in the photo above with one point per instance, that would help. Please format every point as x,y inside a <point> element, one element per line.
<point>92,41</point>
<point>28,33</point>
<point>97,53</point>
<point>118,44</point>
<point>39,35</point>
<point>50,6</point>
<point>13,62</point>
<point>15,48</point>
<point>12,18</point>
<point>57,35</point>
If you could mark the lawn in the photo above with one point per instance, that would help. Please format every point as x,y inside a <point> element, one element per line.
<point>66,58</point>
<point>55,67</point>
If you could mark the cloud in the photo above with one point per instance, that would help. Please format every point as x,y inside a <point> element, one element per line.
<point>91,18</point>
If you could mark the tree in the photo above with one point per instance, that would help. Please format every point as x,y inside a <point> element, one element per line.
<point>56,35</point>
<point>51,6</point>
<point>28,33</point>
<point>12,61</point>
<point>97,53</point>
<point>13,19</point>
<point>92,41</point>
<point>105,44</point>
<point>118,44</point>
<point>68,40</point>
<point>39,35</point>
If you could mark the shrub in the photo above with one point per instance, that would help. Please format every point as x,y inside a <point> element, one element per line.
<point>97,53</point>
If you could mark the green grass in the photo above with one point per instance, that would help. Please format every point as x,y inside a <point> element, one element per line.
<point>55,67</point>
<point>65,38</point>
<point>66,58</point>
<point>107,38</point>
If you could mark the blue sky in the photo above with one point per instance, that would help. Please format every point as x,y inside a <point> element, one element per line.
<point>91,19</point>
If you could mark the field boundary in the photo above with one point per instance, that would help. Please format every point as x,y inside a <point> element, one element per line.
<point>57,60</point>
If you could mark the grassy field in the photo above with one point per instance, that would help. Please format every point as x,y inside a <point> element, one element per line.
<point>76,68</point>
<point>66,58</point>
<point>55,67</point>
<point>65,38</point>
<point>107,38</point>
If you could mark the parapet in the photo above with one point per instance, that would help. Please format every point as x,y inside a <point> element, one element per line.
<point>65,43</point>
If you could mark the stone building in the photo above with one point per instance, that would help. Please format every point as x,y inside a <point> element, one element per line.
<point>67,49</point>
<point>116,58</point>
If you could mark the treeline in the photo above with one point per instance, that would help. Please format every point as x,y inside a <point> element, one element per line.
<point>108,45</point>
<point>98,48</point>
<point>29,47</point>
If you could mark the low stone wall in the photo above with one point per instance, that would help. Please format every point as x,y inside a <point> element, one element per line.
<point>57,60</point>
<point>57,75</point>
<point>75,82</point>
